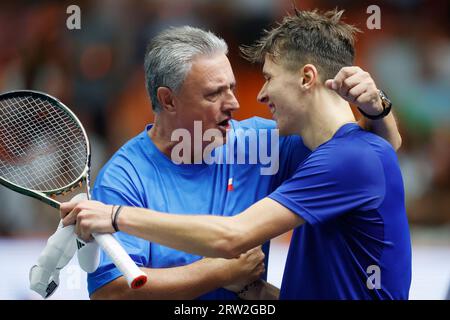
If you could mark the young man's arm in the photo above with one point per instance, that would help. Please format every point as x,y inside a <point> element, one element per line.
<point>385,128</point>
<point>190,281</point>
<point>357,87</point>
<point>212,236</point>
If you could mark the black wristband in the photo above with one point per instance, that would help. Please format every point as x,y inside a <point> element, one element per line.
<point>385,102</point>
<point>112,215</point>
<point>114,221</point>
<point>383,114</point>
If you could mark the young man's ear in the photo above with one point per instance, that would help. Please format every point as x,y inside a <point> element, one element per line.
<point>309,76</point>
<point>165,97</point>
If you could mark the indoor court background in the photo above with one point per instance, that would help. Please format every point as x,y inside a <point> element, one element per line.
<point>97,71</point>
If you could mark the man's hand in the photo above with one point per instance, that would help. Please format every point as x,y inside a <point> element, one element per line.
<point>246,269</point>
<point>88,217</point>
<point>357,86</point>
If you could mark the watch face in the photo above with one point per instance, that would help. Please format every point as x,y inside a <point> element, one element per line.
<point>385,100</point>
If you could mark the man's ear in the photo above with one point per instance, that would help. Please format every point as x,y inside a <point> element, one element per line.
<point>166,99</point>
<point>309,76</point>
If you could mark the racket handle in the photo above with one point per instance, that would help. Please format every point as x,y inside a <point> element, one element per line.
<point>135,277</point>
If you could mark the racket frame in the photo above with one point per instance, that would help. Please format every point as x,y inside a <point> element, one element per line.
<point>46,196</point>
<point>136,278</point>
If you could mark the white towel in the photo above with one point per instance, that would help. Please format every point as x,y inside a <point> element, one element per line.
<point>60,249</point>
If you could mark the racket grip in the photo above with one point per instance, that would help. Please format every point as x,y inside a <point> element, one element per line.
<point>135,277</point>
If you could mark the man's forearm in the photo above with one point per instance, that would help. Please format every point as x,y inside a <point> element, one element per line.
<point>386,128</point>
<point>185,282</point>
<point>202,235</point>
<point>211,236</point>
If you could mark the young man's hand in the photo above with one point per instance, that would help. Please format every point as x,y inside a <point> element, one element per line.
<point>357,86</point>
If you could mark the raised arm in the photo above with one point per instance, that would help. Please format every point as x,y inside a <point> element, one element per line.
<point>357,87</point>
<point>385,128</point>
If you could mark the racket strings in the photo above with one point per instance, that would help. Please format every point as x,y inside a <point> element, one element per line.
<point>40,142</point>
<point>41,146</point>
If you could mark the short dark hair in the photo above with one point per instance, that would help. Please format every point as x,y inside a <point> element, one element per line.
<point>321,39</point>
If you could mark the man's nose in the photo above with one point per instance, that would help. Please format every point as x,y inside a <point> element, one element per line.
<point>262,96</point>
<point>231,103</point>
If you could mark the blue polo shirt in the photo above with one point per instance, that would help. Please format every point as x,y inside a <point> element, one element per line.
<point>140,175</point>
<point>355,241</point>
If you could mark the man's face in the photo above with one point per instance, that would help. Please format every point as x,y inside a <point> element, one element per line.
<point>281,92</point>
<point>207,95</point>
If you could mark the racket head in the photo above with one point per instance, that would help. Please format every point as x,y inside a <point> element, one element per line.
<point>44,149</point>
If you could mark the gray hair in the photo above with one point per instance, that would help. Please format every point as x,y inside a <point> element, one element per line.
<point>169,57</point>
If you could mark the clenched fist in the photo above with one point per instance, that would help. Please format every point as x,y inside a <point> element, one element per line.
<point>357,86</point>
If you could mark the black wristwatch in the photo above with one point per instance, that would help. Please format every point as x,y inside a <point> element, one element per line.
<point>385,102</point>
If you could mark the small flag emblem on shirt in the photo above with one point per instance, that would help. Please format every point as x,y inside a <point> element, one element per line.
<point>230,184</point>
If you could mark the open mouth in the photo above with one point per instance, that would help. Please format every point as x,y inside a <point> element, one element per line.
<point>272,109</point>
<point>225,123</point>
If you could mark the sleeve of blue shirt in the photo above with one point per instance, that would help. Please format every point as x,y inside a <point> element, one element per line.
<point>333,180</point>
<point>137,248</point>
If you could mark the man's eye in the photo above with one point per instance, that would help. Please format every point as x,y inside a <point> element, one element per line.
<point>213,95</point>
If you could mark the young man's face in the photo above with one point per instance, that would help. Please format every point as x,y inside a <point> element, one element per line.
<point>281,93</point>
<point>207,95</point>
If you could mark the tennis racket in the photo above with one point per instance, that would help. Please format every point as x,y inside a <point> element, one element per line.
<point>45,152</point>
